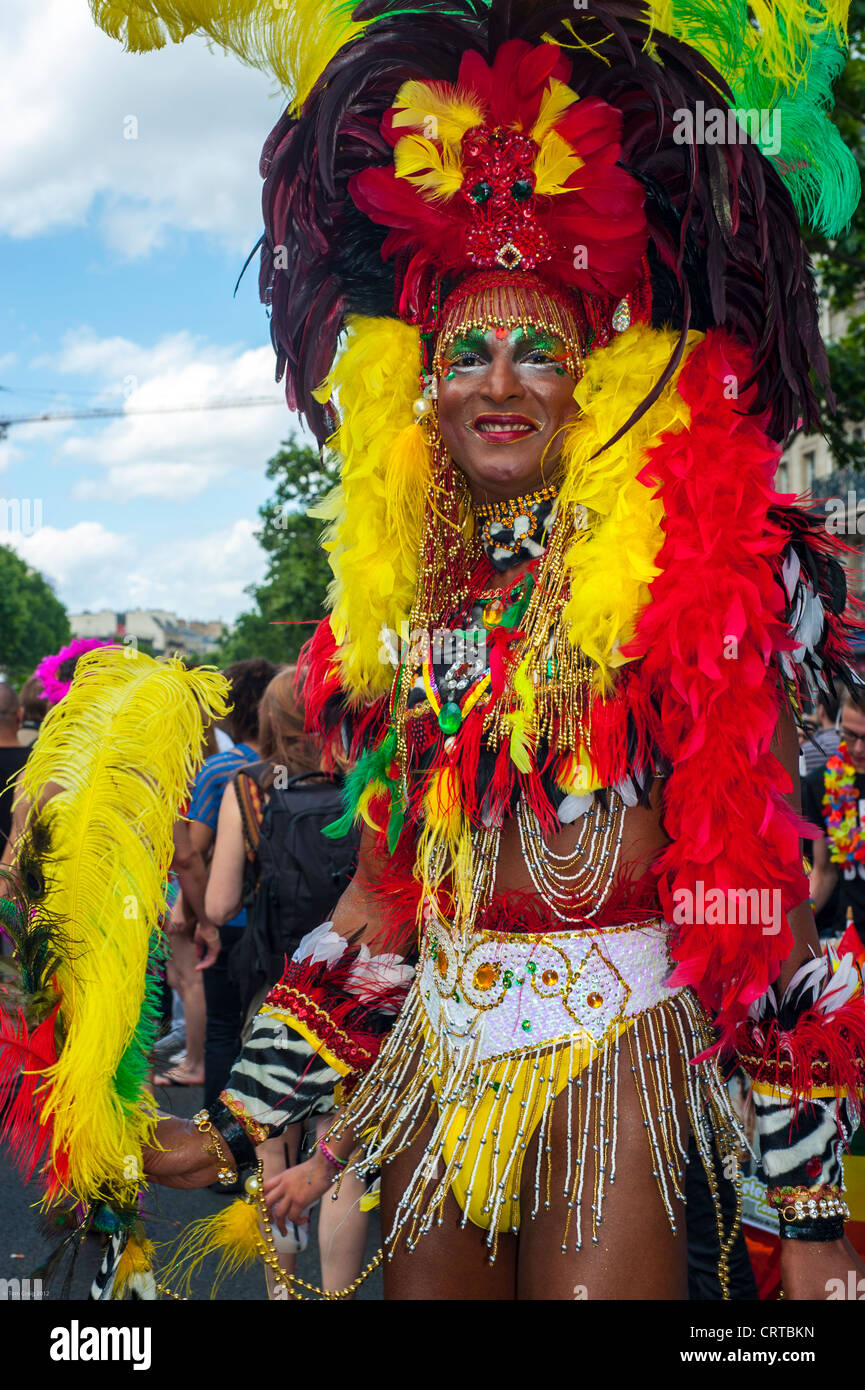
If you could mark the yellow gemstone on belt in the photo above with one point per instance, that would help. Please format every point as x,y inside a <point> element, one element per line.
<point>594,1000</point>
<point>485,976</point>
<point>550,978</point>
<point>442,962</point>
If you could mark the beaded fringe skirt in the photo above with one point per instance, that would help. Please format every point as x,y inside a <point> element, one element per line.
<point>491,1035</point>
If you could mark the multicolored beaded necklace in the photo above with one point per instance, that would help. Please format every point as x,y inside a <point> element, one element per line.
<point>496,614</point>
<point>841,811</point>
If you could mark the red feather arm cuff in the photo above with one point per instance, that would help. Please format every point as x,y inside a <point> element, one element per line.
<point>813,1042</point>
<point>342,999</point>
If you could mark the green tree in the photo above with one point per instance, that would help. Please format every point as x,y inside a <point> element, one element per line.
<point>841,264</point>
<point>33,621</point>
<point>292,595</point>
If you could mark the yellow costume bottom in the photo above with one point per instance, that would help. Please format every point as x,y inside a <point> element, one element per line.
<point>493,1031</point>
<point>500,1128</point>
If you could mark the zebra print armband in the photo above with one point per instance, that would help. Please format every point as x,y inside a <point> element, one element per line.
<point>804,1058</point>
<point>801,1145</point>
<point>278,1080</point>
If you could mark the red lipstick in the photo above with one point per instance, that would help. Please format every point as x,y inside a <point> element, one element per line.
<point>504,429</point>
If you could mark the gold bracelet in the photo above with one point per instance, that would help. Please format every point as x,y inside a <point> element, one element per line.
<point>226,1176</point>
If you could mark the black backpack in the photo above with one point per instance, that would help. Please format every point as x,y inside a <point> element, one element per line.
<point>300,875</point>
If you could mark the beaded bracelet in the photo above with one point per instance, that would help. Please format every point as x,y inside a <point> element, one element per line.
<point>225,1176</point>
<point>234,1134</point>
<point>811,1214</point>
<point>338,1163</point>
<point>797,1204</point>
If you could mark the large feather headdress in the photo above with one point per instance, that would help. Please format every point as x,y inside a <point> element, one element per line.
<point>724,243</point>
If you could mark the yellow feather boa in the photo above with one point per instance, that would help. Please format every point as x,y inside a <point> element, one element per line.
<point>611,562</point>
<point>376,514</point>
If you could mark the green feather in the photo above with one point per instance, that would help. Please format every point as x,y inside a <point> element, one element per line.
<point>133,1067</point>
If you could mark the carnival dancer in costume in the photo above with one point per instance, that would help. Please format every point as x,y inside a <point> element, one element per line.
<point>570,621</point>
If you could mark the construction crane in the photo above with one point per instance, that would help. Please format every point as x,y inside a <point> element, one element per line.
<point>116,413</point>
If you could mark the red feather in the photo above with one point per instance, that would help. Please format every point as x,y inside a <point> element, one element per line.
<point>25,1057</point>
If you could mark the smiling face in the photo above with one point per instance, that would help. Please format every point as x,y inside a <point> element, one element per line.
<point>503,398</point>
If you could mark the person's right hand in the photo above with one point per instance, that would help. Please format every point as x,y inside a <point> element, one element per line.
<point>293,1192</point>
<point>208,942</point>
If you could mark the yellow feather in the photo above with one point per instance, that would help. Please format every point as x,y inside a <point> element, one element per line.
<point>363,806</point>
<point>557,99</point>
<point>234,1235</point>
<point>440,112</point>
<point>118,754</point>
<point>555,163</point>
<point>777,40</point>
<point>521,743</point>
<point>421,163</point>
<point>137,1258</point>
<point>376,514</point>
<point>295,41</point>
<point>443,802</point>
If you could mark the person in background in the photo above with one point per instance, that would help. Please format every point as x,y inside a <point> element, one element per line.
<point>248,680</point>
<point>824,739</point>
<point>236,876</point>
<point>49,684</point>
<point>12,756</point>
<point>838,875</point>
<point>34,708</point>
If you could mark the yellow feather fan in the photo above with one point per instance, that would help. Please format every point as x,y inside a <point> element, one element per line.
<point>107,778</point>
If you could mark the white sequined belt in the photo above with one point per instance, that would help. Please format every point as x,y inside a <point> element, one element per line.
<point>510,992</point>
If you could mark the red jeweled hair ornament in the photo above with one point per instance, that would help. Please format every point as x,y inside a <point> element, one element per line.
<point>508,169</point>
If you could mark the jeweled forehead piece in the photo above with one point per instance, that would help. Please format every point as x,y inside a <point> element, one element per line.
<point>509,299</point>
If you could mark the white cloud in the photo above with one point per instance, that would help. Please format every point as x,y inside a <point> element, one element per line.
<point>91,567</point>
<point>71,98</point>
<point>168,451</point>
<point>80,559</point>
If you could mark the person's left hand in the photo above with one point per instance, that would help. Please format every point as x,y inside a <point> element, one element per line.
<point>208,943</point>
<point>293,1192</point>
<point>177,923</point>
<point>810,1269</point>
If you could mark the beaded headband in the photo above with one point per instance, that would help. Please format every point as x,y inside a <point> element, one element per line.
<point>509,299</point>
<point>506,300</point>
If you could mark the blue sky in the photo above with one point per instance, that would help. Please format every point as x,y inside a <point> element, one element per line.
<point>129,199</point>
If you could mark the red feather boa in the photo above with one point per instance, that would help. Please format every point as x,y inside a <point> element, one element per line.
<point>705,644</point>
